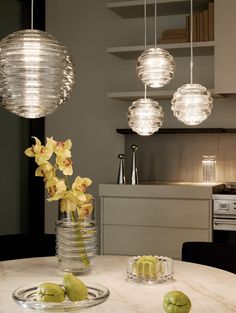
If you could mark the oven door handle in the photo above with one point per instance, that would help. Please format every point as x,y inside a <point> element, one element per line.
<point>228,222</point>
<point>224,224</point>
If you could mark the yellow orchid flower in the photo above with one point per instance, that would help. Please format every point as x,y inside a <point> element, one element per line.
<point>79,187</point>
<point>62,148</point>
<point>56,189</point>
<point>66,205</point>
<point>40,152</point>
<point>65,165</point>
<point>81,184</point>
<point>30,152</point>
<point>79,195</point>
<point>51,143</point>
<point>46,170</point>
<point>85,209</point>
<point>75,204</point>
<point>88,197</point>
<point>69,196</point>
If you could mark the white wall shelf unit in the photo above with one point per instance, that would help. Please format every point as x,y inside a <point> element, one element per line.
<point>176,49</point>
<point>155,94</point>
<point>167,9</point>
<point>134,8</point>
<point>214,65</point>
<point>185,130</point>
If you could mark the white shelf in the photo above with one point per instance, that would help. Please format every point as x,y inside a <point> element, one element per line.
<point>155,94</point>
<point>177,49</point>
<point>134,8</point>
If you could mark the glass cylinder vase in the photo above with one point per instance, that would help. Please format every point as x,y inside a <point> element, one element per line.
<point>209,169</point>
<point>76,236</point>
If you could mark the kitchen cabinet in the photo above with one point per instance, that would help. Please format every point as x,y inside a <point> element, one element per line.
<point>154,219</point>
<point>216,72</point>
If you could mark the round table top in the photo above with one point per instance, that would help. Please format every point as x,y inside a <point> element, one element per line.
<point>209,289</point>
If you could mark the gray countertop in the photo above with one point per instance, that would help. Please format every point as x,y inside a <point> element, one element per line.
<point>161,190</point>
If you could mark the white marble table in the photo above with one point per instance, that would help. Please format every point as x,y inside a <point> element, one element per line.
<point>210,290</point>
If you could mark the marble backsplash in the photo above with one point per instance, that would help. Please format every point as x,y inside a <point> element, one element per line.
<point>178,156</point>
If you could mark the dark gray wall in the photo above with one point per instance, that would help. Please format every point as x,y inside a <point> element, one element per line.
<point>10,20</point>
<point>89,118</point>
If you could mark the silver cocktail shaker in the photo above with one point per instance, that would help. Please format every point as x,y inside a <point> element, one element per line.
<point>121,173</point>
<point>134,171</point>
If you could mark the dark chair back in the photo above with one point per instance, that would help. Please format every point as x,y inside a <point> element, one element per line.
<point>217,255</point>
<point>20,246</point>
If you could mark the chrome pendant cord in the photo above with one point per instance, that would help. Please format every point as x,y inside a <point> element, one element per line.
<point>155,23</point>
<point>145,39</point>
<point>32,14</point>
<point>191,42</point>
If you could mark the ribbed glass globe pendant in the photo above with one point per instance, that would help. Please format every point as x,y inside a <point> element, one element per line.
<point>155,67</point>
<point>36,73</point>
<point>192,104</point>
<point>145,116</point>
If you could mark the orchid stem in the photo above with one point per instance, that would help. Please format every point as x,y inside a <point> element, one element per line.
<point>79,237</point>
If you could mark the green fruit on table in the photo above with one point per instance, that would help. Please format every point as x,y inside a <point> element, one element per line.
<point>75,289</point>
<point>176,302</point>
<point>50,292</point>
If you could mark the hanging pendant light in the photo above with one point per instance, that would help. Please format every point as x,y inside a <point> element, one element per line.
<point>155,66</point>
<point>145,116</point>
<point>192,103</point>
<point>36,73</point>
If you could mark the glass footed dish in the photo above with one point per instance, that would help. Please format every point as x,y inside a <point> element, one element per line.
<point>26,297</point>
<point>149,269</point>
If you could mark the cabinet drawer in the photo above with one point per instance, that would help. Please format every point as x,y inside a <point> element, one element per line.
<point>187,213</point>
<point>137,240</point>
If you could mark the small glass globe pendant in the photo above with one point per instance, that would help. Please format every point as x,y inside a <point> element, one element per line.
<point>192,104</point>
<point>145,116</point>
<point>155,67</point>
<point>36,73</point>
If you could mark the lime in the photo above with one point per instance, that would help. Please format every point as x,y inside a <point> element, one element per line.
<point>50,292</point>
<point>176,302</point>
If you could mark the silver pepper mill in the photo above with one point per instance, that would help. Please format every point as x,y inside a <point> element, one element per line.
<point>121,173</point>
<point>134,171</point>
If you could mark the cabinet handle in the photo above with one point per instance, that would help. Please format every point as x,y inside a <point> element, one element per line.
<point>225,222</point>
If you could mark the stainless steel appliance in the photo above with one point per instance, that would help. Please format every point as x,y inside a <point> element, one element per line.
<point>224,214</point>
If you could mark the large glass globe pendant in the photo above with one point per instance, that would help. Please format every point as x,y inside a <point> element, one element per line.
<point>192,104</point>
<point>155,67</point>
<point>36,73</point>
<point>145,116</point>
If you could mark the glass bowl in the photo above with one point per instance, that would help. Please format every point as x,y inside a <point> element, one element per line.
<point>26,297</point>
<point>149,269</point>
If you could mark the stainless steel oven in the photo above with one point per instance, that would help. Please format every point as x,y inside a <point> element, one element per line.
<point>224,216</point>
